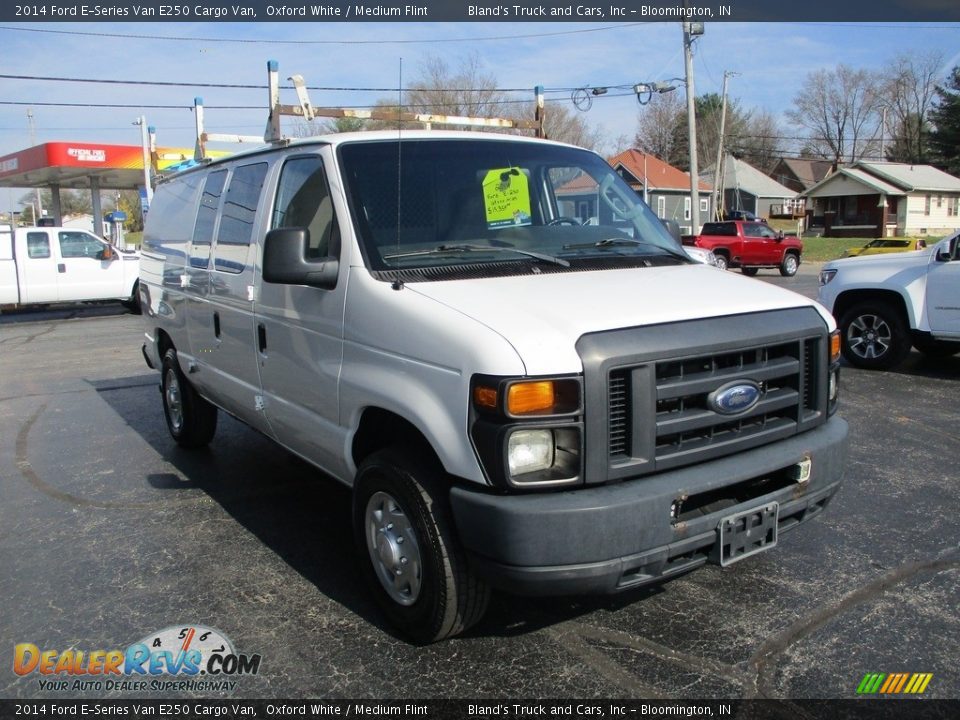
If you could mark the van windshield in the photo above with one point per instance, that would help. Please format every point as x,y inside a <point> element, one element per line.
<point>445,203</point>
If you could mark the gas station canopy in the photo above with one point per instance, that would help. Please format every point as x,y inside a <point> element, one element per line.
<point>82,165</point>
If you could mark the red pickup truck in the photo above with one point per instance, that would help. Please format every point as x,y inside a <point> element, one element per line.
<point>749,246</point>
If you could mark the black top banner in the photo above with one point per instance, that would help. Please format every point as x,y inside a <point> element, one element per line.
<point>595,11</point>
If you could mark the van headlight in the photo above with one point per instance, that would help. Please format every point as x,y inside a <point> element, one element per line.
<point>528,432</point>
<point>530,451</point>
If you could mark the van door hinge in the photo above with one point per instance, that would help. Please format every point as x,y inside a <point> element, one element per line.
<point>258,402</point>
<point>251,293</point>
<point>184,281</point>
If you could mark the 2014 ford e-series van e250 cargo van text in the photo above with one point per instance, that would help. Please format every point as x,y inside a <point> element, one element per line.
<point>497,345</point>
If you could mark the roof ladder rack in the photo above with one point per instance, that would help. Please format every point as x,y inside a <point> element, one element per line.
<point>305,110</point>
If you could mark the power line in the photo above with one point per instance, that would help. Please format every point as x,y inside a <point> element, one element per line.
<point>237,86</point>
<point>262,41</point>
<point>103,106</point>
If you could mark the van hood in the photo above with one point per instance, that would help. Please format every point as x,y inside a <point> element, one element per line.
<point>543,316</point>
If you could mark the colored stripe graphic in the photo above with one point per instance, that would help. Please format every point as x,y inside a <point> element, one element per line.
<point>870,683</point>
<point>894,683</point>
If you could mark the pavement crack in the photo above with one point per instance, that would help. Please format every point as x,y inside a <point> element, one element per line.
<point>571,639</point>
<point>26,469</point>
<point>687,661</point>
<point>27,339</point>
<point>765,657</point>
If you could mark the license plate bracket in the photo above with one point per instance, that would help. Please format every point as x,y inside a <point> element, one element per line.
<point>746,533</point>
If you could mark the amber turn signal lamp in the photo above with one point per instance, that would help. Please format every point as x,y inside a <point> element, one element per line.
<point>835,346</point>
<point>527,398</point>
<point>485,397</point>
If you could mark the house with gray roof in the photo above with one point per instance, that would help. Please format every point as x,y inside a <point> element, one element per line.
<point>885,199</point>
<point>746,188</point>
<point>800,174</point>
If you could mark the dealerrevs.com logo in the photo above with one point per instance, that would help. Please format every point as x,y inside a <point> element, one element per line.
<point>185,657</point>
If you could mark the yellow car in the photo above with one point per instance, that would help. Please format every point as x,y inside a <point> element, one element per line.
<point>888,245</point>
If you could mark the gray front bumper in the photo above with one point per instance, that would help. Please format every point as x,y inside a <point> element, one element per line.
<point>608,538</point>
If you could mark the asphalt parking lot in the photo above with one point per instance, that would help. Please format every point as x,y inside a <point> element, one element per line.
<point>109,533</point>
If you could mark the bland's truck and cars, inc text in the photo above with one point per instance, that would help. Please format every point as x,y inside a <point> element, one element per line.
<point>496,344</point>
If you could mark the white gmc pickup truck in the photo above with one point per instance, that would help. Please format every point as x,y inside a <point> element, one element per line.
<point>886,303</point>
<point>58,264</point>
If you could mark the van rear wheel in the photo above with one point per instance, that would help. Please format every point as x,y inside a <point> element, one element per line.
<point>191,420</point>
<point>411,556</point>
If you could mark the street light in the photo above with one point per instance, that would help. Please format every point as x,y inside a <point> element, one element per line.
<point>145,146</point>
<point>645,90</point>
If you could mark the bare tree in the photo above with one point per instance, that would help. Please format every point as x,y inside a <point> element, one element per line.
<point>465,90</point>
<point>908,89</point>
<point>656,127</point>
<point>565,125</point>
<point>761,143</point>
<point>840,109</point>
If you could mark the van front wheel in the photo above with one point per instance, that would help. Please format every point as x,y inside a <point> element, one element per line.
<point>191,420</point>
<point>409,551</point>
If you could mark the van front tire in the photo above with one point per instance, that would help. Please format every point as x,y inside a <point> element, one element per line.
<point>191,420</point>
<point>409,551</point>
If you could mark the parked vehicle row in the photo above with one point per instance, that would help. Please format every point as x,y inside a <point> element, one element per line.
<point>887,303</point>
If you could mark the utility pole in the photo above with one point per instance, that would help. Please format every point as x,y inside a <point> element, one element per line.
<point>690,31</point>
<point>718,167</point>
<point>33,141</point>
<point>883,133</point>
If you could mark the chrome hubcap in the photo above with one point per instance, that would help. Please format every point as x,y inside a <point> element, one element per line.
<point>173,401</point>
<point>869,337</point>
<point>392,545</point>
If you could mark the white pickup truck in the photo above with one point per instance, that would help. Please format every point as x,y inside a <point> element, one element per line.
<point>58,264</point>
<point>886,303</point>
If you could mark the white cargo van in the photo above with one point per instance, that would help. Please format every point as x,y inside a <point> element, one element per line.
<point>58,264</point>
<point>498,346</point>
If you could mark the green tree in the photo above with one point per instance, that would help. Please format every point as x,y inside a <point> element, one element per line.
<point>910,142</point>
<point>945,116</point>
<point>72,202</point>
<point>129,203</point>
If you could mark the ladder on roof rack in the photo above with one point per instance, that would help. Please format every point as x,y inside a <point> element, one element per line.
<point>273,135</point>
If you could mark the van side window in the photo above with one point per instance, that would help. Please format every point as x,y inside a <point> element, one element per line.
<point>303,200</point>
<point>236,221</point>
<point>206,219</point>
<point>38,245</point>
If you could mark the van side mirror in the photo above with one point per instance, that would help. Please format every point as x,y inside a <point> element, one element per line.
<point>285,260</point>
<point>779,235</point>
<point>107,253</point>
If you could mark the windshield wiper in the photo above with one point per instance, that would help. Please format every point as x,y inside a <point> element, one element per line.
<point>613,242</point>
<point>464,248</point>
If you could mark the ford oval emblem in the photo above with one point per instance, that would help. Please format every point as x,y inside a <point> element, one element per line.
<point>734,397</point>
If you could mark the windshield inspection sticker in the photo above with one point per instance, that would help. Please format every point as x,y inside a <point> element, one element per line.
<point>506,198</point>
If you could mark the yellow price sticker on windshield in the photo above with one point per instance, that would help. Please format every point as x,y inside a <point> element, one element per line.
<point>506,198</point>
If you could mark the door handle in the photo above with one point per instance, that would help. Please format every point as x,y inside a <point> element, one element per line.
<point>61,267</point>
<point>216,325</point>
<point>262,337</point>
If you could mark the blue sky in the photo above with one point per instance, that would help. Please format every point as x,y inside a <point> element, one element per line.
<point>772,60</point>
